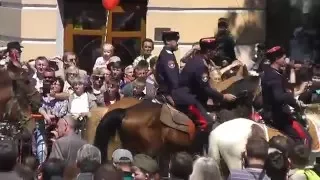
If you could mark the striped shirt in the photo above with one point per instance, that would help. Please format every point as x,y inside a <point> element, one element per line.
<point>247,174</point>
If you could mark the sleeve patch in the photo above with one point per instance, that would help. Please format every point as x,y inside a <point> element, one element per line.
<point>205,77</point>
<point>171,64</point>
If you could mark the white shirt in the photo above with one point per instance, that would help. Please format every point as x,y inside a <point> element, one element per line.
<point>39,82</point>
<point>100,62</point>
<point>80,104</point>
<point>67,88</point>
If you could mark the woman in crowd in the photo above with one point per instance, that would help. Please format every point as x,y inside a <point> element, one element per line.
<point>53,108</point>
<point>81,101</point>
<point>128,74</point>
<point>97,79</point>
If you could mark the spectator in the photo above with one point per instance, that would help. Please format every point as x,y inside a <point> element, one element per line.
<point>117,72</point>
<point>70,59</point>
<point>8,159</point>
<point>107,75</point>
<point>141,69</point>
<point>128,74</point>
<point>277,165</point>
<point>27,169</point>
<point>281,143</point>
<point>69,142</point>
<point>299,158</point>
<point>180,166</point>
<point>111,94</point>
<point>25,172</point>
<point>205,168</point>
<point>146,51</point>
<point>71,73</point>
<point>145,168</point>
<point>255,155</point>
<point>122,160</point>
<point>49,75</point>
<point>97,79</point>
<point>104,60</point>
<point>135,88</point>
<point>115,59</point>
<point>53,169</point>
<point>107,172</point>
<point>41,64</point>
<point>53,108</point>
<point>151,84</point>
<point>88,161</point>
<point>81,101</point>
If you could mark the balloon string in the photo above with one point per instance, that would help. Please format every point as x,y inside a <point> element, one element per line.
<point>107,21</point>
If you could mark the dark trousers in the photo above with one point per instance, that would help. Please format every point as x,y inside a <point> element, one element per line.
<point>199,115</point>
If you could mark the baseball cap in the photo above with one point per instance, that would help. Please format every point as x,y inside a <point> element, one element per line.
<point>146,163</point>
<point>122,156</point>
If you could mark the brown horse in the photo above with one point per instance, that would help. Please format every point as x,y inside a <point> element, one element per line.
<point>146,127</point>
<point>18,97</point>
<point>152,128</point>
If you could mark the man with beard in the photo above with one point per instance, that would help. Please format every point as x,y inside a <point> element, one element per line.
<point>195,77</point>
<point>225,42</point>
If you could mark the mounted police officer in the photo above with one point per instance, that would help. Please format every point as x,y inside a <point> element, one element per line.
<point>276,98</point>
<point>167,69</point>
<point>195,76</point>
<point>226,42</point>
<point>167,76</point>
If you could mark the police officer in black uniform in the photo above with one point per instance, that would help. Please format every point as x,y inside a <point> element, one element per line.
<point>167,69</point>
<point>276,98</point>
<point>226,42</point>
<point>195,76</point>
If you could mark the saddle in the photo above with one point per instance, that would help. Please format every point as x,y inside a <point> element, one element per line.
<point>175,119</point>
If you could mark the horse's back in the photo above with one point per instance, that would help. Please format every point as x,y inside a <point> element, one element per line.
<point>234,130</point>
<point>229,139</point>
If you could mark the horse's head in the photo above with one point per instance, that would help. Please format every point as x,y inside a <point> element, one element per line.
<point>245,90</point>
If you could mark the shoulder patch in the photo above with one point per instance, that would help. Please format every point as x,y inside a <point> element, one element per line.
<point>171,64</point>
<point>205,77</point>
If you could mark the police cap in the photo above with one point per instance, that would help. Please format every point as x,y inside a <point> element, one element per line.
<point>223,22</point>
<point>208,43</point>
<point>275,53</point>
<point>170,35</point>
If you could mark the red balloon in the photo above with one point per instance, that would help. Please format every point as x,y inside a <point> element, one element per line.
<point>110,4</point>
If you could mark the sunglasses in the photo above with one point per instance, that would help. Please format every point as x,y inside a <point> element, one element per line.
<point>98,77</point>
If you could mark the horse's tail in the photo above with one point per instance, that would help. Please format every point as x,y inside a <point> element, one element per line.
<point>107,128</point>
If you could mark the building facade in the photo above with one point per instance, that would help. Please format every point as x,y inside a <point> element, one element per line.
<point>43,29</point>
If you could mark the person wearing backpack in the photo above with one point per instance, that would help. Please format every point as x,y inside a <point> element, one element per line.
<point>299,158</point>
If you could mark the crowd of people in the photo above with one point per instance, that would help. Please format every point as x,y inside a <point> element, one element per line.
<point>69,93</point>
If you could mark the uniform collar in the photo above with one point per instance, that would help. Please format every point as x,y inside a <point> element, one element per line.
<point>167,50</point>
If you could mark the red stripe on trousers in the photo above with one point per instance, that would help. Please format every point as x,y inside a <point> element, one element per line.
<point>295,125</point>
<point>195,111</point>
